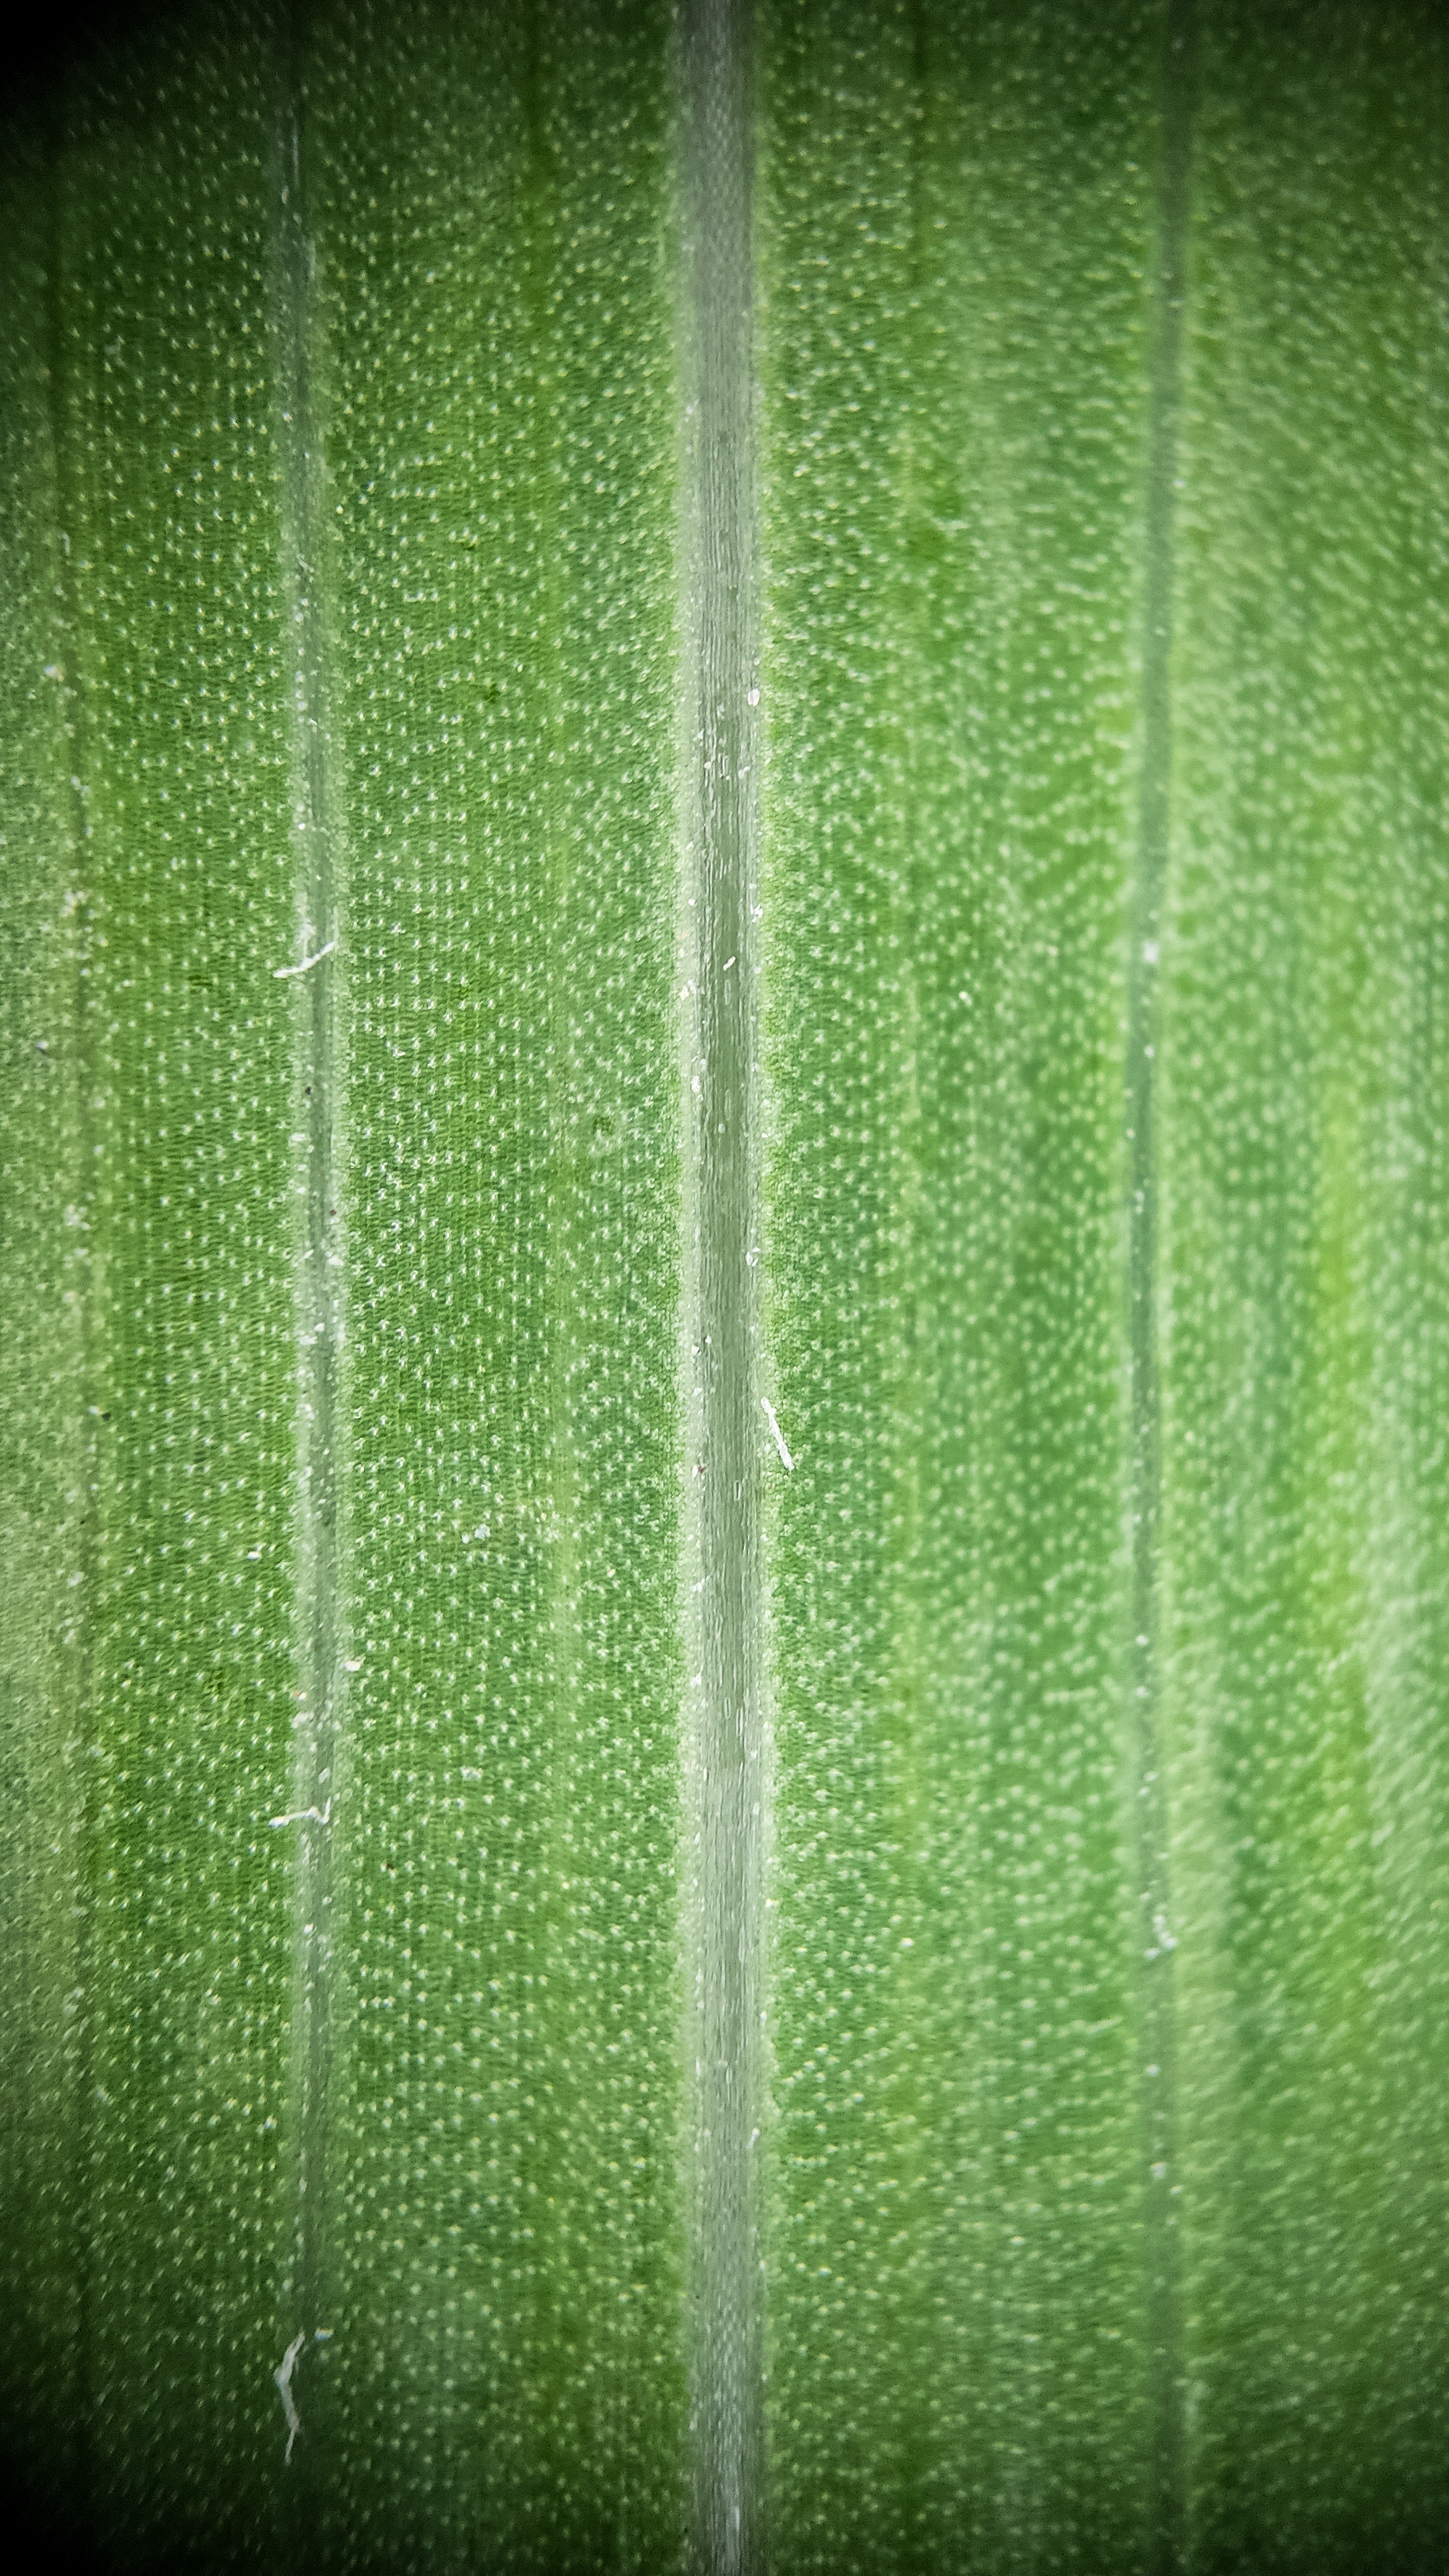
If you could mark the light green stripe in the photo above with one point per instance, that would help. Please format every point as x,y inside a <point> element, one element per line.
<point>727,1425</point>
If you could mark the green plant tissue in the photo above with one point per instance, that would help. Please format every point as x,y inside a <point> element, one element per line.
<point>724,1270</point>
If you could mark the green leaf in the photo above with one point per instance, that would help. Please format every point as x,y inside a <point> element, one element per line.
<point>722,928</point>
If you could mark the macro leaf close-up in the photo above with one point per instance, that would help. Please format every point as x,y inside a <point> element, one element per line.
<point>724,1276</point>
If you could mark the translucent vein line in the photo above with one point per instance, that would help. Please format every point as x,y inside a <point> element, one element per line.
<point>319,1084</point>
<point>728,1432</point>
<point>1166,2509</point>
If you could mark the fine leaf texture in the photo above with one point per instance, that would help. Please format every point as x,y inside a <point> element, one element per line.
<point>725,1274</point>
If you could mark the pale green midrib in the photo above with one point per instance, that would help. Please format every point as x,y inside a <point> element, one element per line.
<point>1166,2501</point>
<point>318,1079</point>
<point>722,1195</point>
<point>86,1181</point>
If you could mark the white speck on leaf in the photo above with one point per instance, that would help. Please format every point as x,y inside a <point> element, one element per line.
<point>283,2377</point>
<point>278,972</point>
<point>304,1816</point>
<point>776,1434</point>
